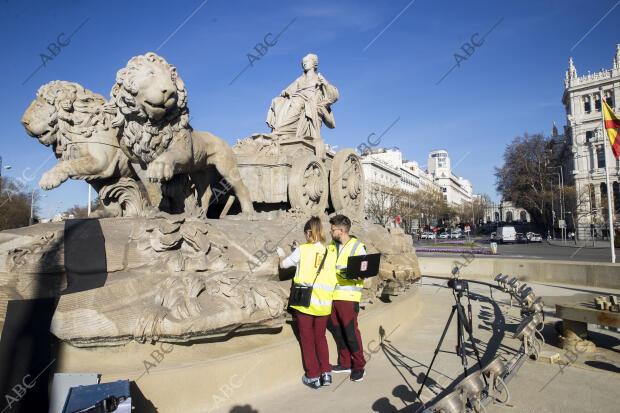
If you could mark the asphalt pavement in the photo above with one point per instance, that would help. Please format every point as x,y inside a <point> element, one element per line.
<point>553,250</point>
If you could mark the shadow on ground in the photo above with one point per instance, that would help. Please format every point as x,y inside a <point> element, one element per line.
<point>437,383</point>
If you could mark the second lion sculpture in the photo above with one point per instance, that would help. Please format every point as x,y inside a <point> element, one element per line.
<point>151,111</point>
<point>72,120</point>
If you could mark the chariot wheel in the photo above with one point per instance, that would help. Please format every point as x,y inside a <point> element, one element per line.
<point>346,183</point>
<point>308,189</point>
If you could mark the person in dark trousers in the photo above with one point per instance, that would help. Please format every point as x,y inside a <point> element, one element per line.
<point>312,320</point>
<point>346,305</point>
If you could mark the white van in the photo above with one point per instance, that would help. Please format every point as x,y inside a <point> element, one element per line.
<point>506,234</point>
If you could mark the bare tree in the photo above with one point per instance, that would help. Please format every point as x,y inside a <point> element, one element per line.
<point>384,203</point>
<point>524,177</point>
<point>474,210</point>
<point>80,212</point>
<point>14,204</point>
<point>380,201</point>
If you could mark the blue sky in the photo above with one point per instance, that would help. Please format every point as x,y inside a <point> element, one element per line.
<point>510,84</point>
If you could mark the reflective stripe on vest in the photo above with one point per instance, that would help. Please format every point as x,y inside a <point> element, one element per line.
<point>323,288</point>
<point>346,290</point>
<point>349,288</point>
<point>316,301</point>
<point>319,286</point>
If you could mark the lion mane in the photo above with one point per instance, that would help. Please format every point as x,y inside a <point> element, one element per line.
<point>143,138</point>
<point>78,112</point>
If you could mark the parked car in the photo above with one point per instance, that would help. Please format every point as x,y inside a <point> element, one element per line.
<point>506,234</point>
<point>431,235</point>
<point>456,234</point>
<point>444,235</point>
<point>522,238</point>
<point>535,238</point>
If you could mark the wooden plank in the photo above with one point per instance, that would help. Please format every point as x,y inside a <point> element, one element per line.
<point>587,315</point>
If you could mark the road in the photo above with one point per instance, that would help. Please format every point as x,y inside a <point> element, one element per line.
<point>539,250</point>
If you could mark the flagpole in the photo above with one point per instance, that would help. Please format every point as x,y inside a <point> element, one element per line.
<point>610,212</point>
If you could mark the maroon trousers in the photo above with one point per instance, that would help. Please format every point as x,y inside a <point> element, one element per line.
<point>313,344</point>
<point>343,326</point>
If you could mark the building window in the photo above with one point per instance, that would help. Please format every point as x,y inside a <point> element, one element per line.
<point>444,189</point>
<point>586,104</point>
<point>604,198</point>
<point>597,103</point>
<point>589,135</point>
<point>600,157</point>
<point>609,98</point>
<point>592,197</point>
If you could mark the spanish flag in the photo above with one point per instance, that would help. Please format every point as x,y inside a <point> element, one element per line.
<point>612,124</point>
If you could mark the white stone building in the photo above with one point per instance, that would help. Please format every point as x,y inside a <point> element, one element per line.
<point>381,170</point>
<point>456,190</point>
<point>585,138</point>
<point>386,167</point>
<point>424,180</point>
<point>505,211</point>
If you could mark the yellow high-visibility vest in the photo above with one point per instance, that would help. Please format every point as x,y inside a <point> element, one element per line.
<point>311,256</point>
<point>346,290</point>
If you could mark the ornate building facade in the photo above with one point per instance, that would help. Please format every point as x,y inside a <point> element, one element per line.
<point>505,212</point>
<point>585,139</point>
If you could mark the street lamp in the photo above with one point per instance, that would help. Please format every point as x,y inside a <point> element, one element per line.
<point>3,167</point>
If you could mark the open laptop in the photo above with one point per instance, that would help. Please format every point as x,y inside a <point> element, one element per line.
<point>363,266</point>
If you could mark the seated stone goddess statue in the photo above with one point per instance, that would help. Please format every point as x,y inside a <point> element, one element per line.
<point>302,107</point>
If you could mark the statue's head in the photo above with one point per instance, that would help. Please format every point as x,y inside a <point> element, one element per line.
<point>310,61</point>
<point>149,88</point>
<point>62,106</point>
<point>150,102</point>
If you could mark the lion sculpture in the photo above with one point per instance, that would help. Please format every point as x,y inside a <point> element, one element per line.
<point>72,120</point>
<point>152,113</point>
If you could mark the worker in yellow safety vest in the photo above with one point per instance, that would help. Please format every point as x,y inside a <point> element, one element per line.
<point>346,305</point>
<point>315,271</point>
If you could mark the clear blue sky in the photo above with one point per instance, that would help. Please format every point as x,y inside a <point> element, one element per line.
<point>511,84</point>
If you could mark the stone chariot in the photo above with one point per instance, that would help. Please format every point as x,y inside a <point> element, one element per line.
<point>302,172</point>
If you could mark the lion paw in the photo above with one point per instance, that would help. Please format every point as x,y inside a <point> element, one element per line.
<point>51,180</point>
<point>159,171</point>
